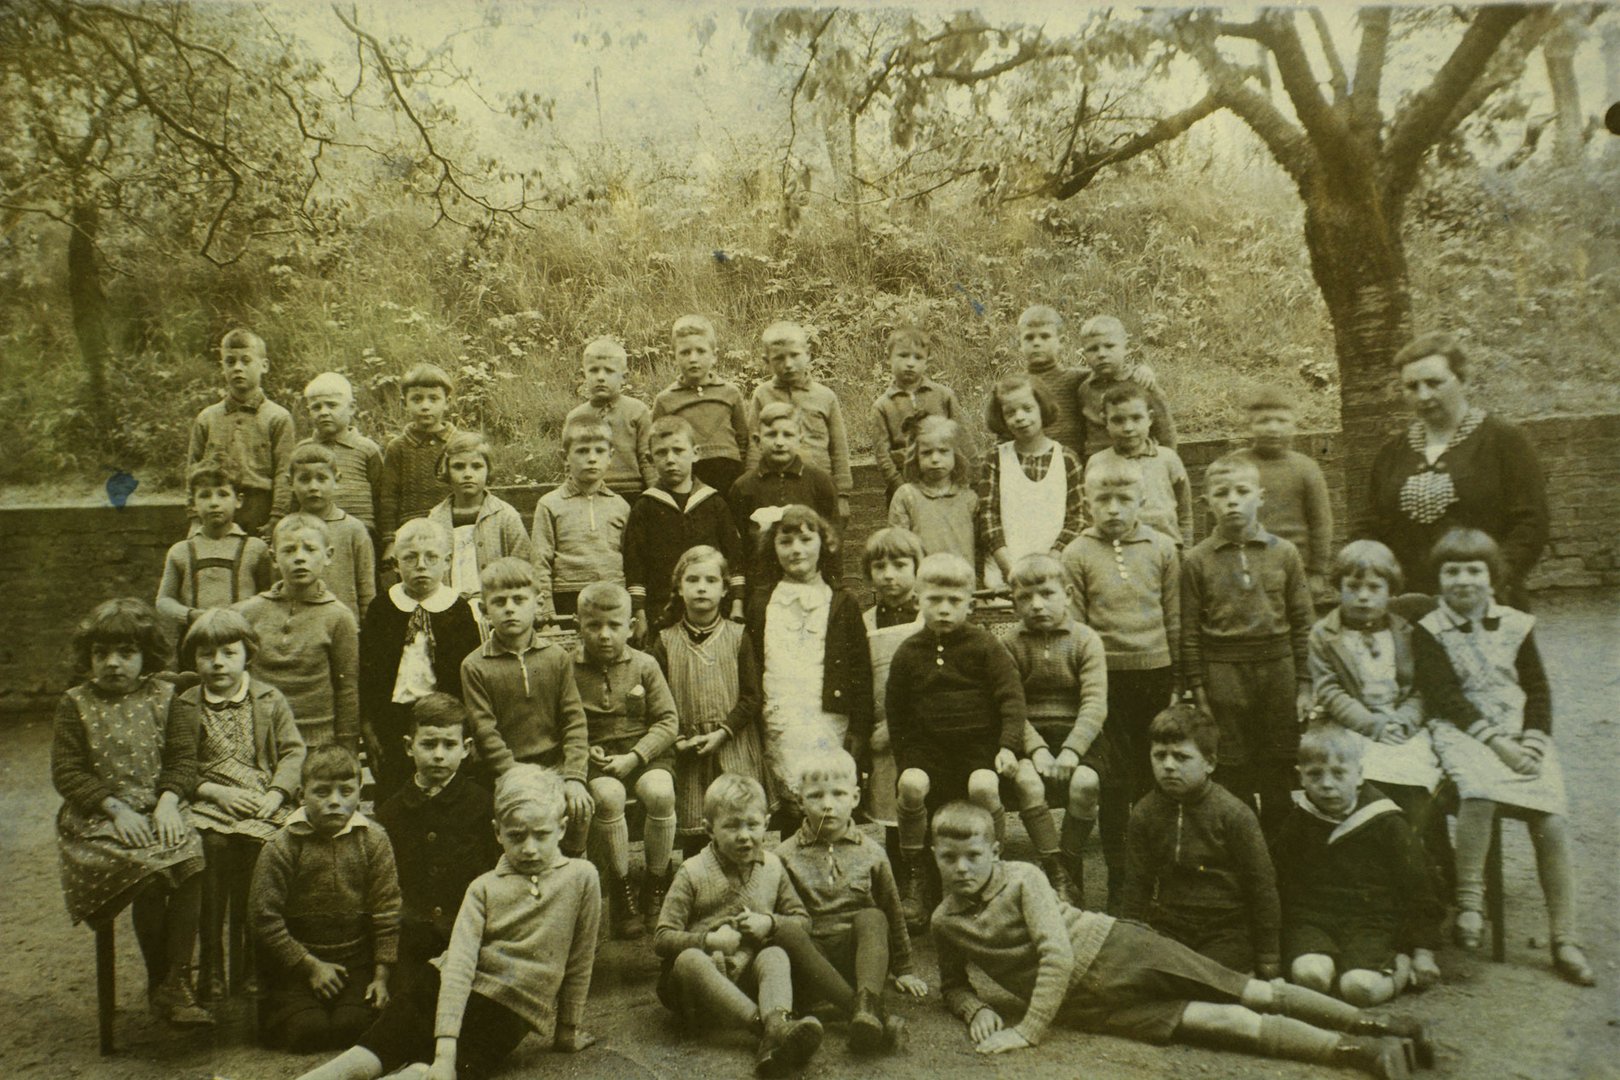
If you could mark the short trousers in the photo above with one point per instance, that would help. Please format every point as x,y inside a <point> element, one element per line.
<point>664,761</point>
<point>1354,944</point>
<point>948,766</point>
<point>1140,983</point>
<point>403,1034</point>
<point>1223,936</point>
<point>1101,757</point>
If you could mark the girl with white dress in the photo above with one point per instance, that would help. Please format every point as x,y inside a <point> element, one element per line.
<point>1029,488</point>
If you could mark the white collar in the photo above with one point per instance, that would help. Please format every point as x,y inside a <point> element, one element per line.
<point>438,600</point>
<point>235,699</point>
<point>300,819</point>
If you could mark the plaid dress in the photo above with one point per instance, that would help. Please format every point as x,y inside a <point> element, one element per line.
<point>225,755</point>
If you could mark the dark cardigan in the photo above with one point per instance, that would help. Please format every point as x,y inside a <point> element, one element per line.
<point>846,681</point>
<point>382,639</point>
<point>440,845</point>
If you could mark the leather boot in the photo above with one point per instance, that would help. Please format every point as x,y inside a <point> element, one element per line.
<point>173,1000</point>
<point>1417,1032</point>
<point>866,1026</point>
<point>654,889</point>
<point>1067,889</point>
<point>1377,1055</point>
<point>787,1043</point>
<point>914,891</point>
<point>627,916</point>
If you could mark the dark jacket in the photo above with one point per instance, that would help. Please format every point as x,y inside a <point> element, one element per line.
<point>382,638</point>
<point>846,680</point>
<point>440,844</point>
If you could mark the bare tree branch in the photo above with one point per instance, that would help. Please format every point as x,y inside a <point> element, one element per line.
<point>1325,129</point>
<point>793,96</point>
<point>1369,77</point>
<point>1078,170</point>
<point>1028,52</point>
<point>1336,77</point>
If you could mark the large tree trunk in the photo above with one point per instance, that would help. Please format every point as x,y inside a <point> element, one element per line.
<point>1558,50</point>
<point>89,306</point>
<point>1611,76</point>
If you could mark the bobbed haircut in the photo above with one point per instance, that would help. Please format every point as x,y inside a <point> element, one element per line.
<point>507,572</point>
<point>963,820</point>
<point>1360,557</point>
<point>834,764</point>
<point>1040,315</point>
<point>212,472</point>
<point>1037,568</point>
<point>1008,385</point>
<point>675,608</point>
<point>330,762</point>
<point>216,627</point>
<point>1469,545</point>
<point>312,453</point>
<point>909,334</point>
<point>938,427</point>
<point>731,791</point>
<point>603,598</point>
<point>438,710</point>
<point>1112,473</point>
<point>671,427</point>
<point>797,519</point>
<point>1269,396</point>
<point>1123,393</point>
<point>241,339</point>
<point>330,382</point>
<point>420,531</point>
<point>125,620</point>
<point>428,375</point>
<point>892,542</point>
<point>780,410</point>
<point>465,442</point>
<point>528,784</point>
<point>585,429</point>
<point>1183,723</point>
<point>945,570</point>
<point>1434,343</point>
<point>692,326</point>
<point>1322,743</point>
<point>301,522</point>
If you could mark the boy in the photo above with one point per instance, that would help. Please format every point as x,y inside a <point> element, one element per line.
<point>1245,620</point>
<point>1040,343</point>
<point>631,722</point>
<point>219,564</point>
<point>352,572</point>
<point>309,643</point>
<point>579,525</point>
<point>713,406</point>
<point>890,561</point>
<point>1065,677</point>
<point>1297,507</point>
<point>677,514</point>
<point>519,690</point>
<point>250,434</point>
<point>848,887</point>
<point>727,928</point>
<point>1127,587</point>
<point>1103,342</point>
<point>1360,913</point>
<point>329,400</point>
<point>911,395</point>
<point>825,443</point>
<point>325,911</point>
<point>1166,491</point>
<point>779,479</point>
<point>1196,866</point>
<point>439,827</point>
<point>1109,976</point>
<point>410,484</point>
<point>603,368</point>
<point>957,722</point>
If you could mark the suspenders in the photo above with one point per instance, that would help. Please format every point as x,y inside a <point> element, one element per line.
<point>234,565</point>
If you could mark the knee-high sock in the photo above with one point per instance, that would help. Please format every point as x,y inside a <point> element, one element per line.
<point>1076,830</point>
<point>148,913</point>
<point>1041,828</point>
<point>1312,1007</point>
<point>658,837</point>
<point>913,827</point>
<point>999,816</point>
<point>611,837</point>
<point>871,949</point>
<point>1285,1037</point>
<point>180,919</point>
<point>712,996</point>
<point>775,981</point>
<point>813,968</point>
<point>1554,865</point>
<point>1474,817</point>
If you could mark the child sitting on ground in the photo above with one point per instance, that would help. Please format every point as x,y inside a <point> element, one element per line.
<point>309,645</point>
<point>352,572</point>
<point>1166,491</point>
<point>1359,911</point>
<point>1485,691</point>
<point>1065,677</point>
<point>519,959</point>
<point>248,433</point>
<point>579,524</point>
<point>1196,867</point>
<point>413,642</point>
<point>438,824</point>
<point>937,501</point>
<point>826,441</point>
<point>781,478</point>
<point>1104,345</point>
<point>629,469</point>
<point>329,400</point>
<point>1110,976</point>
<point>219,564</point>
<point>630,718</point>
<point>325,910</point>
<point>1029,489</point>
<point>1297,507</point>
<point>847,885</point>
<point>910,396</point>
<point>890,561</point>
<point>123,759</point>
<point>726,929</point>
<point>483,527</point>
<point>714,407</point>
<point>411,485</point>
<point>713,674</point>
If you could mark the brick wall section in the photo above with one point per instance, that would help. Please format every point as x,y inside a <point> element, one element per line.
<point>57,562</point>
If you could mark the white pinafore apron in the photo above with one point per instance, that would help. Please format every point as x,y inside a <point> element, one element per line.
<point>1032,511</point>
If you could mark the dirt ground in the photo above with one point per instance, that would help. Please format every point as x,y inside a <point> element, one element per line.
<point>1514,1020</point>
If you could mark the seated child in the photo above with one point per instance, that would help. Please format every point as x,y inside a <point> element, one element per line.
<point>713,675</point>
<point>890,561</point>
<point>519,958</point>
<point>248,433</point>
<point>1104,345</point>
<point>1359,909</point>
<point>411,485</point>
<point>725,931</point>
<point>603,368</point>
<point>826,440</point>
<point>1297,507</point>
<point>665,520</point>
<point>910,396</point>
<point>1065,676</point>
<point>714,407</point>
<point>309,645</point>
<point>122,759</point>
<point>325,910</point>
<point>937,501</point>
<point>219,564</point>
<point>957,721</point>
<point>1479,673</point>
<point>352,572</point>
<point>781,478</point>
<point>329,400</point>
<point>1196,866</point>
<point>579,524</point>
<point>249,757</point>
<point>1109,976</point>
<point>482,527</point>
<point>1029,488</point>
<point>413,642</point>
<point>1166,490</point>
<point>630,719</point>
<point>438,824</point>
<point>846,883</point>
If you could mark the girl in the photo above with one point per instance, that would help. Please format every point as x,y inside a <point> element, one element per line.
<point>122,759</point>
<point>937,502</point>
<point>817,673</point>
<point>1029,491</point>
<point>249,755</point>
<point>714,675</point>
<point>414,639</point>
<point>483,527</point>
<point>1480,675</point>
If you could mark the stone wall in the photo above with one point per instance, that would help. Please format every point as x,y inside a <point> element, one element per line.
<point>55,562</point>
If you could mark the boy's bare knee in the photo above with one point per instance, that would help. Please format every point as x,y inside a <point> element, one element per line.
<point>609,796</point>
<point>1084,790</point>
<point>912,790</point>
<point>1031,788</point>
<point>656,790</point>
<point>984,788</point>
<point>1365,989</point>
<point>1314,971</point>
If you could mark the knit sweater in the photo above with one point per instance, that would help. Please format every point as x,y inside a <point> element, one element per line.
<point>360,466</point>
<point>964,685</point>
<point>202,573</point>
<point>352,573</point>
<point>717,412</point>
<point>442,842</point>
<point>1094,387</point>
<point>1065,677</point>
<point>1297,507</point>
<point>630,421</point>
<point>627,699</point>
<point>578,537</point>
<point>1017,932</point>
<point>658,532</point>
<point>410,484</point>
<point>892,409</point>
<point>524,706</point>
<point>253,439</point>
<point>1166,490</point>
<point>838,878</point>
<point>1243,601</point>
<point>497,532</point>
<point>524,942</point>
<point>309,650</point>
<point>706,891</point>
<point>1068,427</point>
<point>944,522</point>
<point>826,440</point>
<point>1129,591</point>
<point>1196,860</point>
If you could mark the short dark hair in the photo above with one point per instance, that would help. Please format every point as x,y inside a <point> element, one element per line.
<point>1469,545</point>
<point>438,709</point>
<point>312,453</point>
<point>910,334</point>
<point>798,518</point>
<point>428,375</point>
<point>892,543</point>
<point>330,762</point>
<point>216,627</point>
<point>1434,343</point>
<point>1011,384</point>
<point>126,620</point>
<point>1182,722</point>
<point>211,472</point>
<point>1122,392</point>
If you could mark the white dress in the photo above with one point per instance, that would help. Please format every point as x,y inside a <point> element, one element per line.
<point>1413,762</point>
<point>794,722</point>
<point>1032,511</point>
